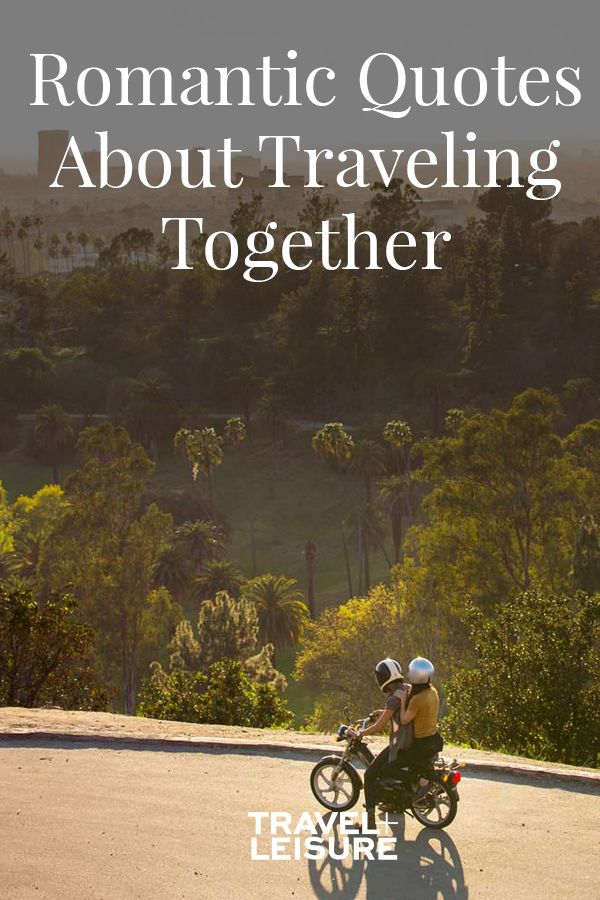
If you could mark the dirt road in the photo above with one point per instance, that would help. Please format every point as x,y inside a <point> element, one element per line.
<point>83,822</point>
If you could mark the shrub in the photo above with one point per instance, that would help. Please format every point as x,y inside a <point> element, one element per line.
<point>535,688</point>
<point>44,654</point>
<point>223,696</point>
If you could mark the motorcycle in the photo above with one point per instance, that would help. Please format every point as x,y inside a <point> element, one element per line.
<point>336,783</point>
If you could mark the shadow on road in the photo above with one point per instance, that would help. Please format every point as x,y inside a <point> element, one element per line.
<point>184,745</point>
<point>428,868</point>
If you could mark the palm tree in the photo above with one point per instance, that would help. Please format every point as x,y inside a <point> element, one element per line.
<point>214,576</point>
<point>245,388</point>
<point>370,530</point>
<point>26,224</point>
<point>38,243</point>
<point>148,411</point>
<point>334,445</point>
<point>9,564</point>
<point>22,237</point>
<point>234,431</point>
<point>99,244</point>
<point>53,250</point>
<point>67,254</point>
<point>398,435</point>
<point>203,449</point>
<point>7,232</point>
<point>200,541</point>
<point>164,251</point>
<point>53,433</point>
<point>274,415</point>
<point>38,246</point>
<point>83,240</point>
<point>282,614</point>
<point>310,558</point>
<point>393,492</point>
<point>173,571</point>
<point>368,461</point>
<point>70,241</point>
<point>27,554</point>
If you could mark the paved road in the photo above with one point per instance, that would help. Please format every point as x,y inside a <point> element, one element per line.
<point>82,822</point>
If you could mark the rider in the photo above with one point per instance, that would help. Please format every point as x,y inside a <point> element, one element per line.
<point>389,676</point>
<point>421,710</point>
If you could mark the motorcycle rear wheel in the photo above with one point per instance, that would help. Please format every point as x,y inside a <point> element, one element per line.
<point>439,807</point>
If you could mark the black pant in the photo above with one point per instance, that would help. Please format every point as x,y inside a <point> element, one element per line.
<point>379,768</point>
<point>420,750</point>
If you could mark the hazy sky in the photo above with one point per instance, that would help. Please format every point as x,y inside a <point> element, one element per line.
<point>338,33</point>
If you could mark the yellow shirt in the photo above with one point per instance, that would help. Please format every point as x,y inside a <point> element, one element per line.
<point>426,706</point>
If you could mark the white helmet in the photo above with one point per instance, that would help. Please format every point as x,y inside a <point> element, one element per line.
<point>387,671</point>
<point>420,670</point>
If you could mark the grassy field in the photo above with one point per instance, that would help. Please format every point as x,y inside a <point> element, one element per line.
<point>286,497</point>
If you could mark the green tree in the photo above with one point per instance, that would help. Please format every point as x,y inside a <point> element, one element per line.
<point>273,414</point>
<point>527,212</point>
<point>316,208</point>
<point>224,695</point>
<point>582,448</point>
<point>586,557</point>
<point>234,431</point>
<point>7,525</point>
<point>149,411</point>
<point>453,421</point>
<point>333,444</point>
<point>216,575</point>
<point>108,547</point>
<point>261,668</point>
<point>534,686</point>
<point>482,301</point>
<point>44,654</point>
<point>341,648</point>
<point>173,571</point>
<point>228,628</point>
<point>26,375</point>
<point>200,541</point>
<point>391,207</point>
<point>282,614</point>
<point>398,434</point>
<point>35,520</point>
<point>203,449</point>
<point>503,503</point>
<point>244,386</point>
<point>53,435</point>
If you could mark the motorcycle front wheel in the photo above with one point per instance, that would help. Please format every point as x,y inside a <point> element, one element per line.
<point>439,806</point>
<point>336,785</point>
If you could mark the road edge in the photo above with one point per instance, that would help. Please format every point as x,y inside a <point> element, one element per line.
<point>534,772</point>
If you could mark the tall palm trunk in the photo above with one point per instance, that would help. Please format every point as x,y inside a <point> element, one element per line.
<point>210,491</point>
<point>397,535</point>
<point>310,555</point>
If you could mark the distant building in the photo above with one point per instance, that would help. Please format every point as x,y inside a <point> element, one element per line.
<point>52,146</point>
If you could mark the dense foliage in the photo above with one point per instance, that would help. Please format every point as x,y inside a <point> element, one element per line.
<point>45,654</point>
<point>224,695</point>
<point>535,686</point>
<point>470,454</point>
